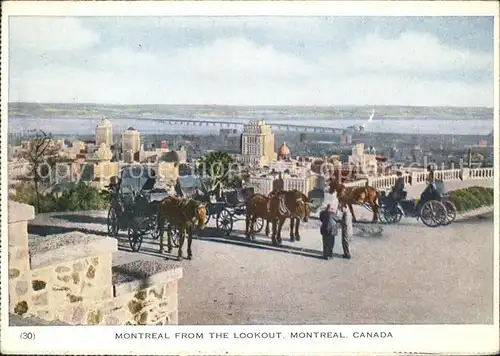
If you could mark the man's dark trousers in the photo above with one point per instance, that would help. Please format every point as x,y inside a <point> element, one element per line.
<point>345,244</point>
<point>328,243</point>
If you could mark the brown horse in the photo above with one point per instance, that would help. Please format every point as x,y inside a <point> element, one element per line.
<point>357,195</point>
<point>256,207</point>
<point>184,214</point>
<point>287,204</point>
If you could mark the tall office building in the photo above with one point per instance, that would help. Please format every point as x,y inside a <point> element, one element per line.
<point>104,133</point>
<point>131,142</point>
<point>257,143</point>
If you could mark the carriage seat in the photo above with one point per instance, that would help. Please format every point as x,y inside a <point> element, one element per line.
<point>402,196</point>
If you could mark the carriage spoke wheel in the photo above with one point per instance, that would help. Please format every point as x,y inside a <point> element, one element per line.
<point>225,222</point>
<point>209,212</point>
<point>175,235</point>
<point>392,215</point>
<point>258,225</point>
<point>155,231</point>
<point>112,222</point>
<point>451,212</point>
<point>433,213</point>
<point>134,236</point>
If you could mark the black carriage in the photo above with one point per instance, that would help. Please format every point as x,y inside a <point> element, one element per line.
<point>434,207</point>
<point>234,209</point>
<point>134,204</point>
<point>192,186</point>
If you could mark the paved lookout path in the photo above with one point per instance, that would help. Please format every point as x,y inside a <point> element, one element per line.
<point>410,274</point>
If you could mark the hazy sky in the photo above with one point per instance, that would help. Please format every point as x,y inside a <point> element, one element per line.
<point>253,61</point>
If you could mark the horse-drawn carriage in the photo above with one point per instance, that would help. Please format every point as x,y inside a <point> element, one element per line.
<point>134,204</point>
<point>434,207</point>
<point>228,206</point>
<point>192,187</point>
<point>234,209</point>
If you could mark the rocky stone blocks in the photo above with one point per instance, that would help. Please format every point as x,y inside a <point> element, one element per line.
<point>18,259</point>
<point>70,278</point>
<point>156,305</point>
<point>18,234</point>
<point>46,289</point>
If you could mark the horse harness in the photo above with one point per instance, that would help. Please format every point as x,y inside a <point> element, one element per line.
<point>283,209</point>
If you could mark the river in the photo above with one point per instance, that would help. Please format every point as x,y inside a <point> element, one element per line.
<point>71,126</point>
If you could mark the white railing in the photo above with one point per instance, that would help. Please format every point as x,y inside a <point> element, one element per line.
<point>448,174</point>
<point>481,173</point>
<point>356,183</point>
<point>418,177</point>
<point>384,181</point>
<point>415,178</point>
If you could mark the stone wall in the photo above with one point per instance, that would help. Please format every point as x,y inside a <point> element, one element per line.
<point>69,278</point>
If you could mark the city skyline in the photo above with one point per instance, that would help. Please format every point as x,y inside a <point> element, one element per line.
<point>324,61</point>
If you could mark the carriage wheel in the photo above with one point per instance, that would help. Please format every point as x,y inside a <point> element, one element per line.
<point>259,224</point>
<point>175,235</point>
<point>134,236</point>
<point>154,230</point>
<point>433,213</point>
<point>112,222</point>
<point>391,215</point>
<point>209,212</point>
<point>225,221</point>
<point>451,212</point>
<point>381,214</point>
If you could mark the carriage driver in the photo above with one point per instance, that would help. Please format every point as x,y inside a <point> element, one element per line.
<point>398,187</point>
<point>430,178</point>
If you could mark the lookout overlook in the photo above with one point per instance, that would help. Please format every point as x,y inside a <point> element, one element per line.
<point>82,285</point>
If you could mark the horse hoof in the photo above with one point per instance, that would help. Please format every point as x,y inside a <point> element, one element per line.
<point>169,250</point>
<point>297,238</point>
<point>292,239</point>
<point>161,251</point>
<point>179,258</point>
<point>189,257</point>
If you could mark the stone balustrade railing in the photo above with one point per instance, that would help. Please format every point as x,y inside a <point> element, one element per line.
<point>481,173</point>
<point>70,278</point>
<point>415,178</point>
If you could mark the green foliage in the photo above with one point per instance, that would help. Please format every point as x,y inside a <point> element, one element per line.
<point>80,197</point>
<point>472,198</point>
<point>216,167</point>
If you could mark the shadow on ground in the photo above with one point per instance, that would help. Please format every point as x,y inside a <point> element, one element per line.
<point>82,219</point>
<point>44,230</point>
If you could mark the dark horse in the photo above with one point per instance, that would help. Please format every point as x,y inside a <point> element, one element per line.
<point>184,214</point>
<point>287,204</point>
<point>259,206</point>
<point>357,195</point>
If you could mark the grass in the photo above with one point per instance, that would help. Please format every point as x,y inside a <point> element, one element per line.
<point>471,198</point>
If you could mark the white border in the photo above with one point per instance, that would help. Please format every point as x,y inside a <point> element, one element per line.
<point>456,339</point>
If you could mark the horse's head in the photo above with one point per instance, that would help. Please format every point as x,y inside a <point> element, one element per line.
<point>303,207</point>
<point>195,212</point>
<point>200,214</point>
<point>336,187</point>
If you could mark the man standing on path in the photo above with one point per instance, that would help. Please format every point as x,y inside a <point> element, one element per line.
<point>346,230</point>
<point>329,229</point>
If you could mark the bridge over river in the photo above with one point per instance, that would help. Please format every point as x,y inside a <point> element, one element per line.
<point>238,124</point>
<point>410,274</point>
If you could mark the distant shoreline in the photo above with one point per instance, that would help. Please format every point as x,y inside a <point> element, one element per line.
<point>332,118</point>
<point>253,106</point>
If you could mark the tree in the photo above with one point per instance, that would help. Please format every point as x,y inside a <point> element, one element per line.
<point>42,156</point>
<point>217,168</point>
